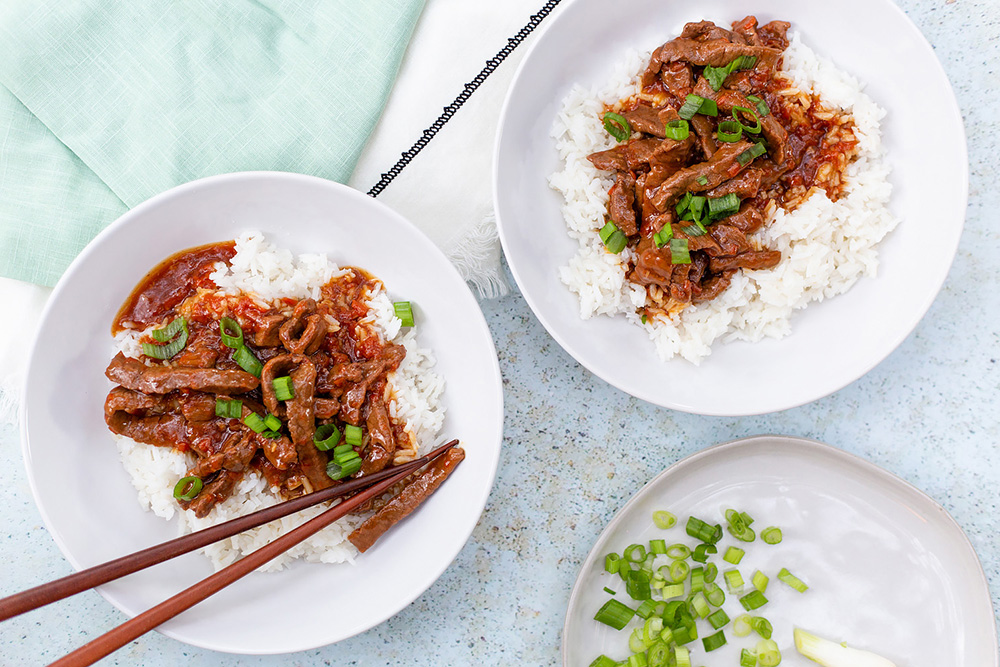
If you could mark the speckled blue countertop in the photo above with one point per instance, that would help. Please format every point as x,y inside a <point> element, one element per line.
<point>928,413</point>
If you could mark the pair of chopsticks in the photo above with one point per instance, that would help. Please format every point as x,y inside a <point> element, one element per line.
<point>367,488</point>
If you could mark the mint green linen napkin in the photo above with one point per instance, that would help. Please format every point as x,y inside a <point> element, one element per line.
<point>107,103</point>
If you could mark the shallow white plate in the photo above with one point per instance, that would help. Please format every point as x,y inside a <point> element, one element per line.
<point>889,570</point>
<point>85,496</point>
<point>832,343</point>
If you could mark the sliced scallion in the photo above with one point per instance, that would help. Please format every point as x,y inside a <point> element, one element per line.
<point>283,389</point>
<point>679,253</point>
<point>614,613</point>
<point>404,311</point>
<point>767,653</point>
<point>637,585</point>
<point>793,581</point>
<point>677,129</point>
<point>326,437</point>
<point>741,626</point>
<point>634,553</point>
<point>759,580</point>
<point>753,600</point>
<point>734,581</point>
<point>352,435</point>
<point>747,658</point>
<point>754,127</point>
<point>729,131</point>
<point>255,423</point>
<point>702,552</point>
<point>617,126</point>
<point>715,641</point>
<point>761,626</point>
<point>248,361</point>
<point>611,563</point>
<point>720,207</point>
<point>771,535</point>
<point>718,618</point>
<point>733,555</point>
<point>657,547</point>
<point>187,488</point>
<point>661,518</point>
<point>230,332</point>
<point>176,332</point>
<point>228,408</point>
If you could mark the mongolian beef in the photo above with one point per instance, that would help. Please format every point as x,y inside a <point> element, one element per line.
<point>295,390</point>
<point>709,146</point>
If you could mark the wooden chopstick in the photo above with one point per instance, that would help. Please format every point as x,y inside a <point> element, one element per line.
<point>40,596</point>
<point>134,628</point>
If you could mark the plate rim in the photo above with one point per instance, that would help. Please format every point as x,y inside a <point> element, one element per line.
<point>807,397</point>
<point>804,445</point>
<point>209,182</point>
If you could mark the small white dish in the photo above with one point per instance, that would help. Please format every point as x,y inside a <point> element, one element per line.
<point>888,569</point>
<point>84,494</point>
<point>832,343</point>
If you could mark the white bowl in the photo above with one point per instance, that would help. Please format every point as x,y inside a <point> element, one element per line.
<point>85,496</point>
<point>888,569</point>
<point>832,343</point>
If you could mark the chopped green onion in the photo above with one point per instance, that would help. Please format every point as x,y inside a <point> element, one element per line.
<point>713,642</point>
<point>624,567</point>
<point>338,471</point>
<point>637,660</point>
<point>759,580</point>
<point>768,653</point>
<point>617,126</point>
<point>657,547</point>
<point>771,535</point>
<point>729,131</point>
<point>747,519</point>
<point>734,580</point>
<point>678,551</point>
<point>697,229</point>
<point>283,389</point>
<point>658,655</point>
<point>711,571</point>
<point>682,656</point>
<point>675,590</point>
<point>352,435</point>
<point>651,628</point>
<point>233,340</point>
<point>700,530</point>
<point>272,422</point>
<point>604,661</point>
<point>749,154</point>
<point>609,591</point>
<point>677,130</point>
<point>753,600</point>
<point>685,634</point>
<point>701,180</point>
<point>690,107</point>
<point>720,207</point>
<point>697,208</point>
<point>708,108</point>
<point>606,231</point>
<point>404,311</point>
<point>247,361</point>
<point>616,242</point>
<point>187,488</point>
<point>752,129</point>
<point>679,251</point>
<point>702,552</point>
<point>697,579</point>
<point>645,610</point>
<point>761,626</point>
<point>228,408</point>
<point>255,423</point>
<point>716,76</point>
<point>271,435</point>
<point>679,570</point>
<point>611,563</point>
<point>615,614</point>
<point>178,327</point>
<point>741,626</point>
<point>830,653</point>
<point>718,618</point>
<point>714,594</point>
<point>634,553</point>
<point>326,437</point>
<point>341,450</point>
<point>663,519</point>
<point>747,658</point>
<point>637,585</point>
<point>733,555</point>
<point>793,581</point>
<point>699,603</point>
<point>761,105</point>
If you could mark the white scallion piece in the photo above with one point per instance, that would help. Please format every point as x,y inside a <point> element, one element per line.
<point>831,654</point>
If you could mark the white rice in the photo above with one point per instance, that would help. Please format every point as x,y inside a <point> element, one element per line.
<point>826,246</point>
<point>415,397</point>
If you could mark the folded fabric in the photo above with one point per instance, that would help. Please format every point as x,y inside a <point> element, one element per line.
<point>108,103</point>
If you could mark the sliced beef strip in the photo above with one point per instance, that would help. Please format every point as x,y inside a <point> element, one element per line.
<point>645,119</point>
<point>621,203</point>
<point>194,406</point>
<point>201,351</point>
<point>775,34</point>
<point>327,408</point>
<point>722,166</point>
<point>355,379</point>
<point>630,156</point>
<point>304,331</point>
<point>133,374</point>
<point>704,128</point>
<point>716,52</point>
<point>748,219</point>
<point>412,495</point>
<point>612,159</point>
<point>771,128</point>
<point>213,493</point>
<point>706,30</point>
<point>238,450</point>
<point>744,186</point>
<point>653,267</point>
<point>730,239</point>
<point>168,430</point>
<point>268,333</point>
<point>713,287</point>
<point>381,441</point>
<point>681,288</point>
<point>755,259</point>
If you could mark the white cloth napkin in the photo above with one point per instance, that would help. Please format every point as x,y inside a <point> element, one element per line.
<point>446,189</point>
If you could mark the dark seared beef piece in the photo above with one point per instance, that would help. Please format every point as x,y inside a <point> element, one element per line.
<point>201,351</point>
<point>777,137</point>
<point>166,430</point>
<point>711,288</point>
<point>699,265</point>
<point>747,29</point>
<point>704,128</point>
<point>666,160</point>
<point>299,410</point>
<point>706,30</point>
<point>744,186</point>
<point>414,493</point>
<point>194,406</point>
<point>214,493</point>
<point>677,79</point>
<point>645,119</point>
<point>304,331</point>
<point>716,52</point>
<point>755,259</point>
<point>237,451</point>
<point>653,267</point>
<point>654,221</point>
<point>326,408</point>
<point>703,242</point>
<point>280,452</point>
<point>354,378</point>
<point>612,159</point>
<point>682,287</point>
<point>748,219</point>
<point>133,374</point>
<point>381,442</point>
<point>268,334</point>
<point>722,166</point>
<point>730,239</point>
<point>621,203</point>
<point>630,156</point>
<point>775,34</point>
<point>652,73</point>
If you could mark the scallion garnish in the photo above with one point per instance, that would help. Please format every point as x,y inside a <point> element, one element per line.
<point>749,154</point>
<point>747,658</point>
<point>699,603</point>
<point>611,563</point>
<point>679,570</point>
<point>695,104</point>
<point>187,488</point>
<point>720,207</point>
<point>700,530</point>
<point>761,105</point>
<point>716,76</point>
<point>657,547</point>
<point>752,129</point>
<point>247,361</point>
<point>605,661</point>
<point>662,238</point>
<point>734,580</point>
<point>255,423</point>
<point>176,332</point>
<point>771,535</point>
<point>609,591</point>
<point>283,389</point>
<point>793,581</point>
<point>404,311</point>
<point>759,581</point>
<point>352,435</point>
<point>761,626</point>
<point>729,131</point>
<point>661,518</point>
<point>677,130</point>
<point>326,437</point>
<point>337,471</point>
<point>637,585</point>
<point>713,642</point>
<point>272,423</point>
<point>228,408</point>
<point>230,332</point>
<point>702,552</point>
<point>678,551</point>
<point>615,614</point>
<point>718,618</point>
<point>634,553</point>
<point>714,594</point>
<point>767,653</point>
<point>679,251</point>
<point>617,126</point>
<point>646,609</point>
<point>702,180</point>
<point>733,555</point>
<point>696,229</point>
<point>753,600</point>
<point>741,626</point>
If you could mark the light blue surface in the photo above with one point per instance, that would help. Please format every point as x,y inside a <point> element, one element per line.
<point>575,449</point>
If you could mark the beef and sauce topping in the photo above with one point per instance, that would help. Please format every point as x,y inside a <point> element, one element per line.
<point>715,140</point>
